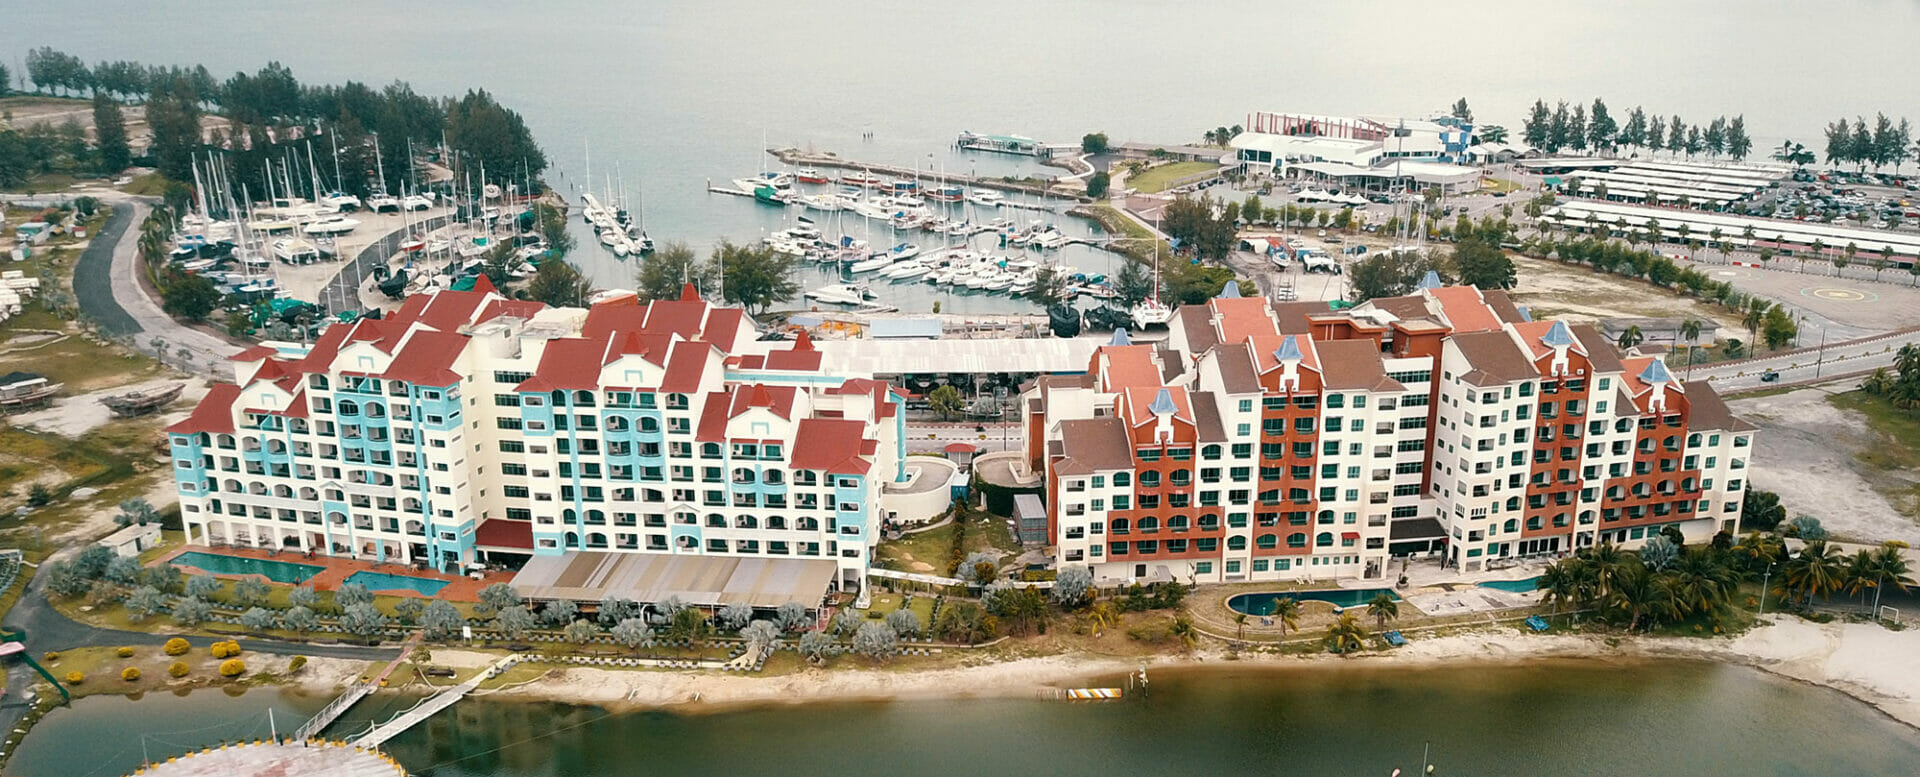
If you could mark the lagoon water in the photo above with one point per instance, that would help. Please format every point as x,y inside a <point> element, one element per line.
<point>1548,719</point>
<point>673,94</point>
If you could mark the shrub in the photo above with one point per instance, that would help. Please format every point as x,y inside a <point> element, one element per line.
<point>49,657</point>
<point>75,678</point>
<point>226,649</point>
<point>232,667</point>
<point>296,663</point>
<point>125,652</point>
<point>130,674</point>
<point>176,647</point>
<point>177,669</point>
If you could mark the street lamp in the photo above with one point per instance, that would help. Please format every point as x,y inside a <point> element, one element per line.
<point>1763,589</point>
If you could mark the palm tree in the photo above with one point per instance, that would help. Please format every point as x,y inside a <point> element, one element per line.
<point>1345,635</point>
<point>1861,574</point>
<point>1183,630</point>
<point>1240,627</point>
<point>1286,609</point>
<point>1606,563</point>
<point>1102,616</point>
<point>1717,245</point>
<point>1757,550</point>
<point>1630,338</point>
<point>1638,596</point>
<point>1383,608</point>
<point>1690,329</point>
<point>1814,571</point>
<point>1891,566</point>
<point>1701,584</point>
<point>1562,583</point>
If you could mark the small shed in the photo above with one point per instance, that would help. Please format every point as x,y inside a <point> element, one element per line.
<point>962,453</point>
<point>132,540</point>
<point>1030,519</point>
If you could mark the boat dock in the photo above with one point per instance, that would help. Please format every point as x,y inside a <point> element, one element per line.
<point>801,158</point>
<point>378,735</point>
<point>339,706</point>
<point>292,758</point>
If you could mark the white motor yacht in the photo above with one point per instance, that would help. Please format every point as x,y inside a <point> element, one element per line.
<point>382,202</point>
<point>986,197</point>
<point>337,225</point>
<point>839,294</point>
<point>294,251</point>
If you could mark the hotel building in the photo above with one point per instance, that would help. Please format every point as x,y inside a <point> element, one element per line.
<point>1286,441</point>
<point>468,427</point>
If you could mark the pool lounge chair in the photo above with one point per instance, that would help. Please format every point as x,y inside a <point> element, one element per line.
<point>1536,623</point>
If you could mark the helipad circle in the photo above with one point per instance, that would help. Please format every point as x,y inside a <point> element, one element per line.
<point>1840,295</point>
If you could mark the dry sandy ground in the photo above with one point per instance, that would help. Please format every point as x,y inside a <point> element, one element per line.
<point>73,416</point>
<point>1865,661</point>
<point>1580,295</point>
<point>1805,452</point>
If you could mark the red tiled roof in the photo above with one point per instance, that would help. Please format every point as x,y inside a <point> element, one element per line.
<point>213,414</point>
<point>1128,366</point>
<point>501,533</point>
<point>1139,398</point>
<point>686,367</point>
<point>1464,309</point>
<point>713,417</point>
<point>1242,318</point>
<point>830,444</point>
<point>802,357</point>
<point>567,364</point>
<point>516,308</point>
<point>426,358</point>
<point>1264,348</point>
<point>253,354</point>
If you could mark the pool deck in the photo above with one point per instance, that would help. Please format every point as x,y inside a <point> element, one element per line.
<point>335,571</point>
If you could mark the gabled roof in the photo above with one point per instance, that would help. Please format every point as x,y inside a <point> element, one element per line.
<point>686,367</point>
<point>1143,404</point>
<point>1127,366</point>
<point>1237,374</point>
<point>802,357</point>
<point>833,445</point>
<point>1600,351</point>
<point>426,358</point>
<point>567,364</point>
<point>1464,310</point>
<point>1206,417</point>
<point>1706,410</point>
<point>1494,358</point>
<point>1239,318</point>
<point>214,413</point>
<point>1272,351</point>
<point>1355,364</point>
<point>1089,445</point>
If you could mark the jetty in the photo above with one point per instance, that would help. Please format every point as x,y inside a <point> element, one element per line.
<point>334,709</point>
<point>803,158</point>
<point>267,758</point>
<point>427,708</point>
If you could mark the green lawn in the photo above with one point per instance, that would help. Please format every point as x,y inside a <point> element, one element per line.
<point>1498,185</point>
<point>934,546</point>
<point>1157,179</point>
<point>149,185</point>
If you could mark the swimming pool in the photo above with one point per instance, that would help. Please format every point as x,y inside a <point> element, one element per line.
<point>1262,604</point>
<point>1517,586</point>
<point>381,581</point>
<point>277,571</point>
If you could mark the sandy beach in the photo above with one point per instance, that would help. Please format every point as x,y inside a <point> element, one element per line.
<point>1865,661</point>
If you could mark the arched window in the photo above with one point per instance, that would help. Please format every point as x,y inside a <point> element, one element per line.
<point>1326,516</point>
<point>1511,526</point>
<point>1535,524</point>
<point>583,398</point>
<point>1148,524</point>
<point>1267,541</point>
<point>1209,522</point>
<point>1323,539</point>
<point>1122,479</point>
<point>1238,543</point>
<point>1149,479</point>
<point>1177,523</point>
<point>1118,526</point>
<point>746,522</point>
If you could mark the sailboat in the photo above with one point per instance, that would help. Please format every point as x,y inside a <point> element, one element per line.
<point>1151,311</point>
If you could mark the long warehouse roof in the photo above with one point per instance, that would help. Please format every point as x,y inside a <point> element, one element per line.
<point>1733,227</point>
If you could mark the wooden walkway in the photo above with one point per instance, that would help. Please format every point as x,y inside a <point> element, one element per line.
<point>334,709</point>
<point>378,735</point>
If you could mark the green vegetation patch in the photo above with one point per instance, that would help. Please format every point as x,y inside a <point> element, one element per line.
<point>1158,179</point>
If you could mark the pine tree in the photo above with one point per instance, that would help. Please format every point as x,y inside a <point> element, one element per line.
<point>110,131</point>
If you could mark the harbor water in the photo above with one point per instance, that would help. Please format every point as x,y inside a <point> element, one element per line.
<point>1547,719</point>
<point>672,96</point>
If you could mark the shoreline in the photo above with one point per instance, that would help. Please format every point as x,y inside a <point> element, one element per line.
<point>1863,661</point>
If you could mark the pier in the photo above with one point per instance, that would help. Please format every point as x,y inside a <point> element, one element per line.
<point>800,158</point>
<point>378,735</point>
<point>334,709</point>
<point>293,758</point>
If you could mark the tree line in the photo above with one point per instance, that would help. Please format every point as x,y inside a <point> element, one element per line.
<point>270,108</point>
<point>1901,387</point>
<point>1583,128</point>
<point>1667,582</point>
<point>1885,143</point>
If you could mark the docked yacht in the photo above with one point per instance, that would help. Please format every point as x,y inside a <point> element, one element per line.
<point>416,202</point>
<point>987,197</point>
<point>1151,312</point>
<point>294,251</point>
<point>337,225</point>
<point>841,294</point>
<point>860,179</point>
<point>811,175</point>
<point>340,202</point>
<point>382,202</point>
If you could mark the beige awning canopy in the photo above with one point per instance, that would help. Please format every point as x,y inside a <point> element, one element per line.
<point>707,581</point>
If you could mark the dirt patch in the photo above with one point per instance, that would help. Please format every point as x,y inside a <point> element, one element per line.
<point>72,416</point>
<point>1808,451</point>
<point>1580,295</point>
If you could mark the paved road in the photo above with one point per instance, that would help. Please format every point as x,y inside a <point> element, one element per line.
<point>93,276</point>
